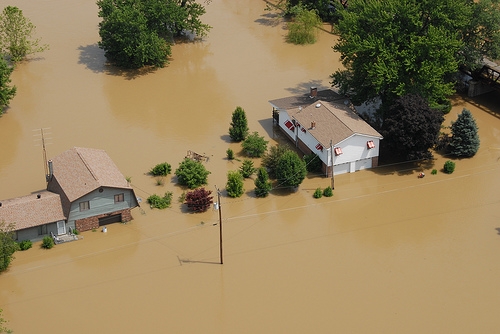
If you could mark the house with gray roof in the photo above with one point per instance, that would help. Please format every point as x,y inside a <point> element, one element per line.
<point>85,190</point>
<point>326,124</point>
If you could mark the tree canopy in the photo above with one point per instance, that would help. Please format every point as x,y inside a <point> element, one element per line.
<point>262,184</point>
<point>16,32</point>
<point>7,92</point>
<point>465,138</point>
<point>7,245</point>
<point>291,169</point>
<point>391,48</point>
<point>411,128</point>
<point>234,185</point>
<point>191,173</point>
<point>137,33</point>
<point>254,145</point>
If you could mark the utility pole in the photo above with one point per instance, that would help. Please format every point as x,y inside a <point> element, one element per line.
<point>220,224</point>
<point>331,156</point>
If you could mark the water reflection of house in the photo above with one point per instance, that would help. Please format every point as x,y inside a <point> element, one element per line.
<point>326,124</point>
<point>85,190</point>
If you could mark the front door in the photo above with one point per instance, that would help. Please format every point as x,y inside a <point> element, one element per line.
<point>61,227</point>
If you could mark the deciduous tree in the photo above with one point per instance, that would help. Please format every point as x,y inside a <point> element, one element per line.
<point>271,158</point>
<point>7,92</point>
<point>191,173</point>
<point>7,245</point>
<point>254,145</point>
<point>303,28</point>
<point>16,33</point>
<point>465,137</point>
<point>411,128</point>
<point>199,200</point>
<point>291,170</point>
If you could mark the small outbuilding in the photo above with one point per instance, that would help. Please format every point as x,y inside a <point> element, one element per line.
<point>326,124</point>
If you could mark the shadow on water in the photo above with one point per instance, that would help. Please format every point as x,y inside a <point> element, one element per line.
<point>304,87</point>
<point>93,58</point>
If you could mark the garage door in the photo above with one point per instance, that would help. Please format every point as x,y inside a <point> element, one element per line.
<point>110,219</point>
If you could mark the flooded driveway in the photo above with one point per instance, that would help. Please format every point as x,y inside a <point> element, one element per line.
<point>388,253</point>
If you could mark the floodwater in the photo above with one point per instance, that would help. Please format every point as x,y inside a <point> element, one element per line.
<point>388,253</point>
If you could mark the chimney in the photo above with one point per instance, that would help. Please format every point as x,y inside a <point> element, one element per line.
<point>51,170</point>
<point>313,124</point>
<point>314,92</point>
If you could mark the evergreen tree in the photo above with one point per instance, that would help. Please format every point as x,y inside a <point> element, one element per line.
<point>247,168</point>
<point>239,125</point>
<point>465,138</point>
<point>291,170</point>
<point>234,185</point>
<point>262,184</point>
<point>6,92</point>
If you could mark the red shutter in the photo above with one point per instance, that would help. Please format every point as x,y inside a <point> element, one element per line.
<point>370,144</point>
<point>337,150</point>
<point>319,147</point>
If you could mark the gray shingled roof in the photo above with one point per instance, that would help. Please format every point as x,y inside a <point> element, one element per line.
<point>334,119</point>
<point>82,170</point>
<point>29,211</point>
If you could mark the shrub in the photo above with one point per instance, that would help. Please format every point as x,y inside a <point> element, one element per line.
<point>47,242</point>
<point>318,193</point>
<point>162,169</point>
<point>199,200</point>
<point>262,184</point>
<point>449,167</point>
<point>247,168</point>
<point>434,172</point>
<point>230,154</point>
<point>328,192</point>
<point>25,244</point>
<point>158,202</point>
<point>191,173</point>
<point>254,145</point>
<point>239,125</point>
<point>234,185</point>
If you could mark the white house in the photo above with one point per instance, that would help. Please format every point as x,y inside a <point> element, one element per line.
<point>326,124</point>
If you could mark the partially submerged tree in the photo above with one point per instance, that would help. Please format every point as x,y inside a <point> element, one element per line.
<point>303,28</point>
<point>16,33</point>
<point>262,184</point>
<point>254,145</point>
<point>271,157</point>
<point>247,168</point>
<point>239,125</point>
<point>234,185</point>
<point>465,137</point>
<point>191,173</point>
<point>137,33</point>
<point>291,170</point>
<point>392,48</point>
<point>162,169</point>
<point>7,245</point>
<point>411,128</point>
<point>7,92</point>
<point>199,200</point>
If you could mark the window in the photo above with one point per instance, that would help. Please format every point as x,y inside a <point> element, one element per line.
<point>319,147</point>
<point>290,126</point>
<point>370,144</point>
<point>118,198</point>
<point>337,150</point>
<point>42,229</point>
<point>84,206</point>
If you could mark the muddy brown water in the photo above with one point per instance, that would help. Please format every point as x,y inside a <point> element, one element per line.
<point>389,253</point>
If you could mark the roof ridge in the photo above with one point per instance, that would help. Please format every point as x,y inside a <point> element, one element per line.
<point>86,164</point>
